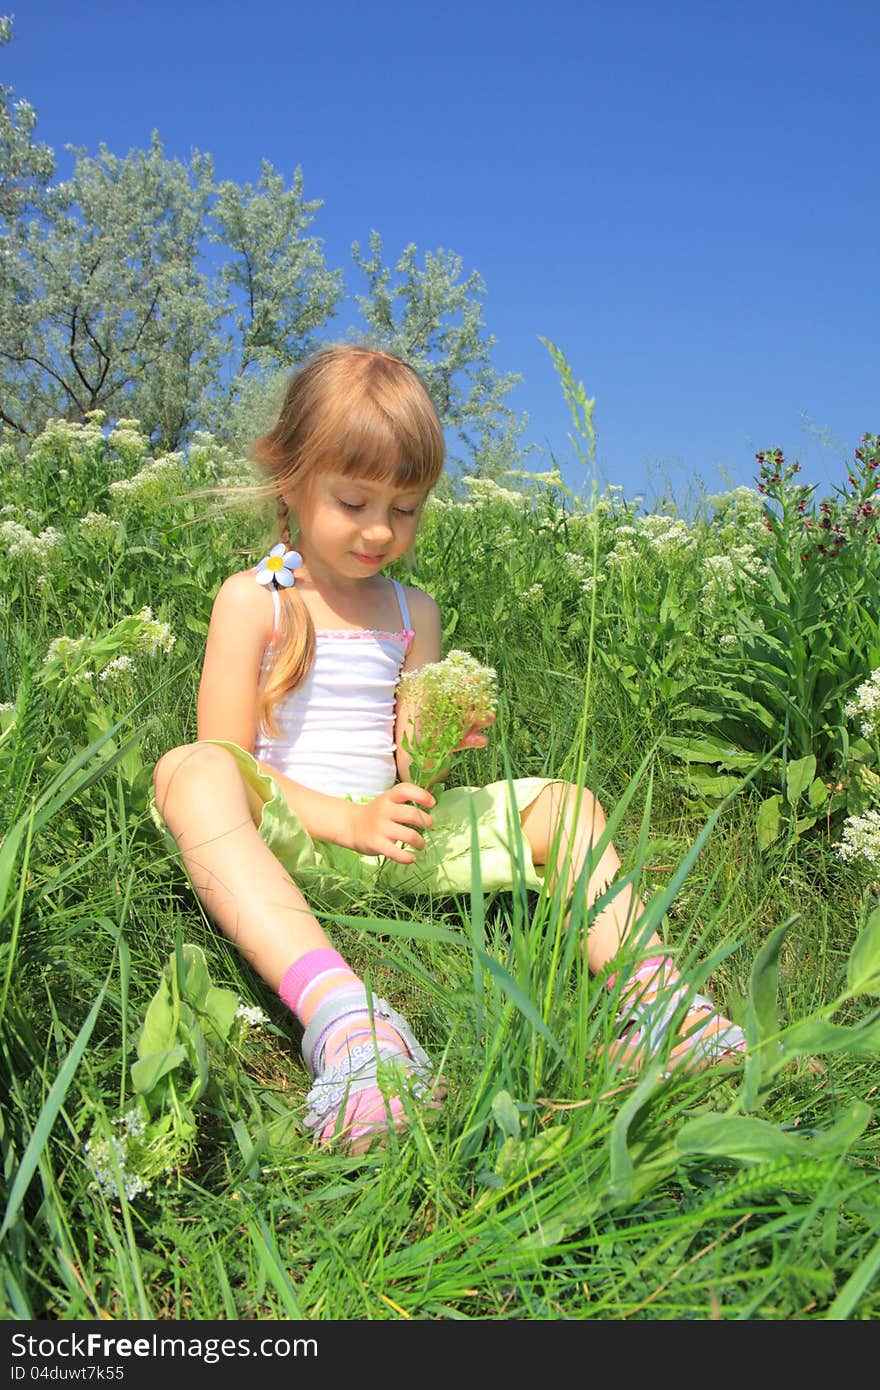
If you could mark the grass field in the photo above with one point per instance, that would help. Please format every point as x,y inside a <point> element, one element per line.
<point>708,676</point>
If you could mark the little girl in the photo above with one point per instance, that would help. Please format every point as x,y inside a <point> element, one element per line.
<point>299,775</point>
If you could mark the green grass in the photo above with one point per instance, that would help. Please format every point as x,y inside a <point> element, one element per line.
<point>546,1187</point>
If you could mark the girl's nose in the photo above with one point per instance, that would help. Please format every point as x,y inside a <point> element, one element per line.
<point>377,529</point>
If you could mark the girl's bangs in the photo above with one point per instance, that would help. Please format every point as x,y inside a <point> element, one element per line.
<point>409,455</point>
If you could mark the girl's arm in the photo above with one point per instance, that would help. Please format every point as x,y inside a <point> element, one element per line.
<point>239,630</point>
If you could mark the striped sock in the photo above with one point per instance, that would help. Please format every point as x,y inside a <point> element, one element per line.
<point>312,981</point>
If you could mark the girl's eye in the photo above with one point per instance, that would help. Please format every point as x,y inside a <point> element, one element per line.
<point>405,511</point>
<point>350,506</point>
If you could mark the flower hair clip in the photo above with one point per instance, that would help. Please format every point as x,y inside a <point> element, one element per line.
<point>278,566</point>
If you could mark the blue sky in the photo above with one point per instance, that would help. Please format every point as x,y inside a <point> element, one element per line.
<point>683,196</point>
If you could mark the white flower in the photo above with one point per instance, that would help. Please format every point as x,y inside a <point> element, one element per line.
<point>121,665</point>
<point>866,704</point>
<point>251,1015</point>
<point>98,528</point>
<point>23,544</point>
<point>861,838</point>
<point>106,1158</point>
<point>155,636</point>
<point>159,481</point>
<point>277,568</point>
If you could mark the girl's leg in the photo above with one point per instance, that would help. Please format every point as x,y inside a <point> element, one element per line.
<point>211,812</point>
<point>561,825</point>
<point>573,824</point>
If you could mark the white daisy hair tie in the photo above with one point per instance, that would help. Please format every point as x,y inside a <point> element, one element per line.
<point>278,566</point>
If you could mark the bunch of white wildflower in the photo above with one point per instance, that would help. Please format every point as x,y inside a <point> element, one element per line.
<point>65,650</point>
<point>666,535</point>
<point>109,1156</point>
<point>624,552</point>
<point>99,529</point>
<point>447,697</point>
<point>66,439</point>
<point>159,481</point>
<point>22,544</point>
<point>861,838</point>
<point>251,1015</point>
<point>120,667</point>
<point>486,490</point>
<point>154,636</point>
<point>129,441</point>
<point>534,594</point>
<point>866,704</point>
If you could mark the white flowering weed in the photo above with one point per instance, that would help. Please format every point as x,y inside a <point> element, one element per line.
<point>866,704</point>
<point>447,697</point>
<point>861,838</point>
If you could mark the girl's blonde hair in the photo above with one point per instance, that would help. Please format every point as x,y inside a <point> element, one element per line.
<point>351,410</point>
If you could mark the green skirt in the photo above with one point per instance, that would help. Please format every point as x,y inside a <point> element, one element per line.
<point>487,818</point>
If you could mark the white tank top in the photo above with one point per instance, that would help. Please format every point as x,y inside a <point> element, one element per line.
<point>336,729</point>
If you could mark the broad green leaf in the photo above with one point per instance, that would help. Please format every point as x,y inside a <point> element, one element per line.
<point>749,1139</point>
<point>810,1036</point>
<point>744,1138</point>
<point>506,1115</point>
<point>622,1175</point>
<point>716,787</point>
<point>160,1029</point>
<point>708,750</point>
<point>804,823</point>
<point>761,1014</point>
<point>863,966</point>
<point>798,777</point>
<point>194,980</point>
<point>220,1009</point>
<point>818,794</point>
<point>149,1069</point>
<point>769,821</point>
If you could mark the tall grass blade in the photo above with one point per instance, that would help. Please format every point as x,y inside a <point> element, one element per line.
<point>48,1115</point>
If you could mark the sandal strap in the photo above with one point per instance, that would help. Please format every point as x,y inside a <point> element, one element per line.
<point>650,1019</point>
<point>358,1069</point>
<point>332,1011</point>
<point>702,1041</point>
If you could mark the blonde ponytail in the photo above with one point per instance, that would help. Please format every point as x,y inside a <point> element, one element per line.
<point>293,652</point>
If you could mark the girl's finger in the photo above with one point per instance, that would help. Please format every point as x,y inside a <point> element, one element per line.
<point>409,791</point>
<point>409,837</point>
<point>396,852</point>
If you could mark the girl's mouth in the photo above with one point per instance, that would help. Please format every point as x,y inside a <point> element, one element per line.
<point>368,559</point>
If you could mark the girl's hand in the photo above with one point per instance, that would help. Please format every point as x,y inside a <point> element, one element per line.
<point>379,826</point>
<point>475,738</point>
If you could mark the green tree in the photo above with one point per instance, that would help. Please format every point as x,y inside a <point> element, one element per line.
<point>142,287</point>
<point>278,287</point>
<point>432,316</point>
<point>107,306</point>
<point>25,166</point>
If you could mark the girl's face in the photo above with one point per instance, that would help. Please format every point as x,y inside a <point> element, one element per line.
<point>351,528</point>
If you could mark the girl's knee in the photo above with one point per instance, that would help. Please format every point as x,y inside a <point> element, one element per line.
<point>178,765</point>
<point>573,803</point>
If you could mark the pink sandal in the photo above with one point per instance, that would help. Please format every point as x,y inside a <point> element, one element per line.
<point>651,1000</point>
